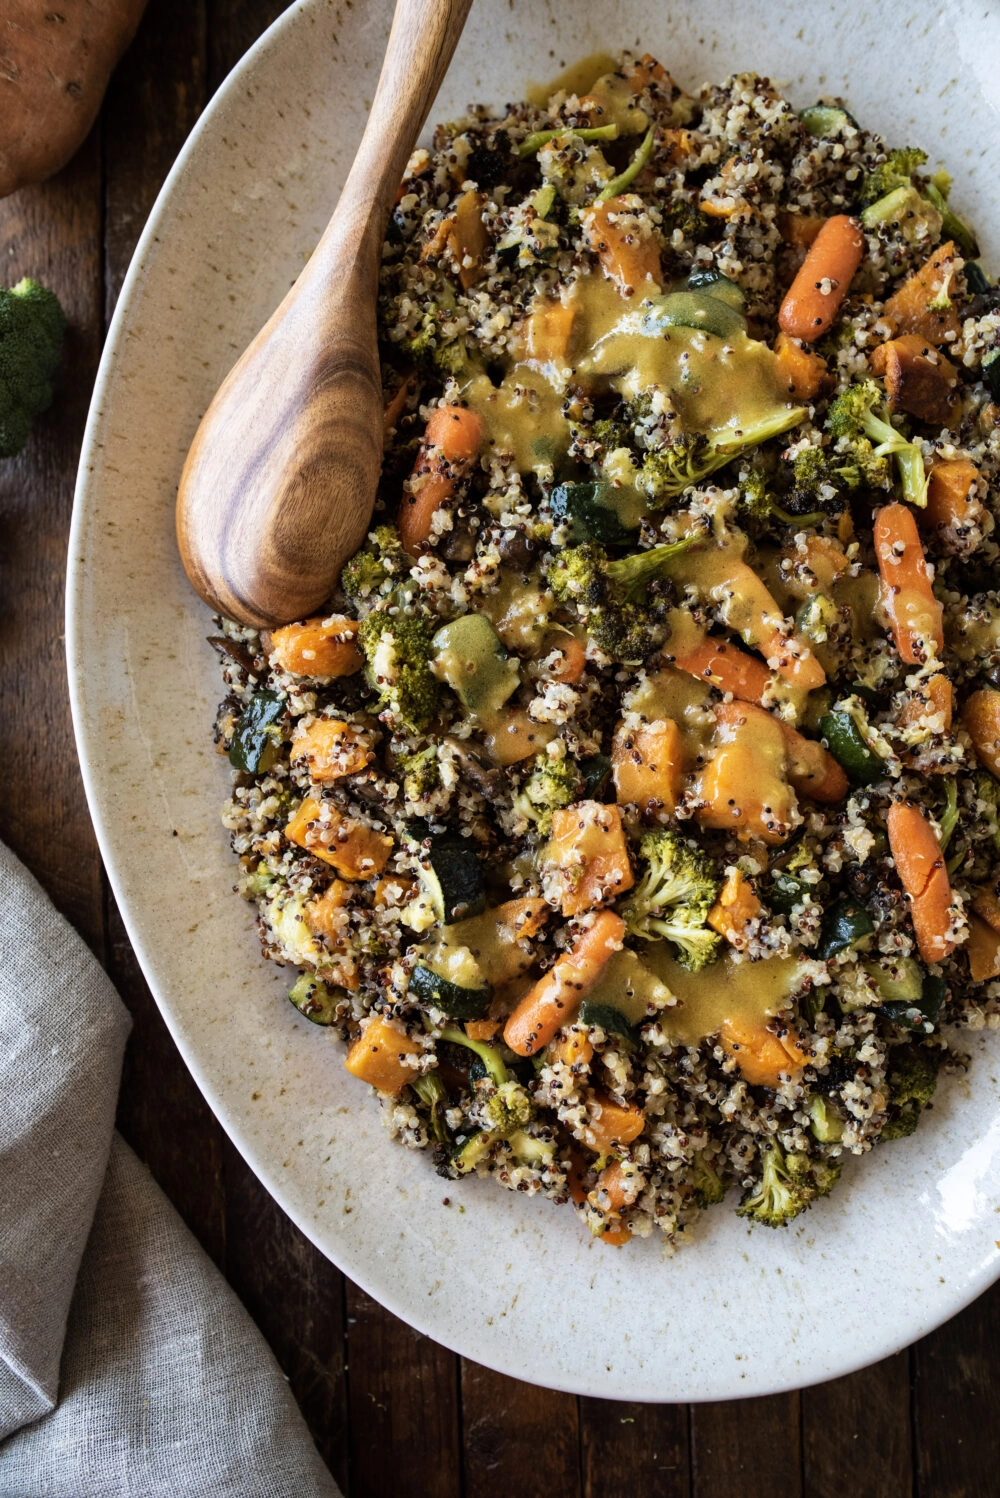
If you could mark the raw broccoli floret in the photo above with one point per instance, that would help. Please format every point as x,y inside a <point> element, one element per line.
<point>509,1109</point>
<point>861,425</point>
<point>896,171</point>
<point>912,1078</point>
<point>381,560</point>
<point>32,325</point>
<point>398,648</point>
<point>553,783</point>
<point>612,596</point>
<point>671,469</point>
<point>673,898</point>
<point>789,1183</point>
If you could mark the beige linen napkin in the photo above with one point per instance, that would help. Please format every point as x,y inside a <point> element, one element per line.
<point>127,1365</point>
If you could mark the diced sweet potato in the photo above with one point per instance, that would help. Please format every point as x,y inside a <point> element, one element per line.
<point>919,379</point>
<point>548,331</point>
<point>761,1056</point>
<point>935,697</point>
<point>326,917</point>
<point>354,850</point>
<point>983,947</point>
<point>735,908</point>
<point>618,1124</point>
<point>468,239</point>
<point>628,256</point>
<point>317,647</point>
<point>648,765</point>
<point>981,717</point>
<point>745,786</point>
<point>378,1055</point>
<point>329,749</point>
<point>922,304</point>
<point>799,229</point>
<point>987,906</point>
<point>801,371</point>
<point>589,851</point>
<point>951,506</point>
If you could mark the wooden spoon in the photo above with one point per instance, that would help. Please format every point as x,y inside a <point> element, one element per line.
<point>278,487</point>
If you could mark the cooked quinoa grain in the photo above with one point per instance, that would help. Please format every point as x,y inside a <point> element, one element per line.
<point>631,811</point>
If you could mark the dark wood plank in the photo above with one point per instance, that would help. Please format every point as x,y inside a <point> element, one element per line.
<point>403,1402</point>
<point>956,1392</point>
<point>749,1447</point>
<point>518,1438</point>
<point>233,27</point>
<point>643,1446</point>
<point>154,100</point>
<point>296,1297</point>
<point>856,1434</point>
<point>51,232</point>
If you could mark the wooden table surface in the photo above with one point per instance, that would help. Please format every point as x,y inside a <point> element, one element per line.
<point>392,1412</point>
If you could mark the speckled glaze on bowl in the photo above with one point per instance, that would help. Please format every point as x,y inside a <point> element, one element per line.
<point>243,206</point>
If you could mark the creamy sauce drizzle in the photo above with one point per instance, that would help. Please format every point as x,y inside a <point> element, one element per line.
<point>747,991</point>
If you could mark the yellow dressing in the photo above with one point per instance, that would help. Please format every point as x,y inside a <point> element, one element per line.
<point>742,991</point>
<point>578,78</point>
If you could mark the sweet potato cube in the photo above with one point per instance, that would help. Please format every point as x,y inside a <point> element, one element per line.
<point>922,305</point>
<point>317,647</point>
<point>330,749</point>
<point>735,908</point>
<point>378,1055</point>
<point>588,852</point>
<point>648,765</point>
<point>918,379</point>
<point>354,850</point>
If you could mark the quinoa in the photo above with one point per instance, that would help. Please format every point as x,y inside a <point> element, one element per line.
<point>504,738</point>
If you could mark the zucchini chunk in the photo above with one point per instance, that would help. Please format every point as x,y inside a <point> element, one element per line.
<point>312,998</point>
<point>256,743</point>
<point>450,997</point>
<point>471,659</point>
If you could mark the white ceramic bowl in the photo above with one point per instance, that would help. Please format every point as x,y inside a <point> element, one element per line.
<point>910,1235</point>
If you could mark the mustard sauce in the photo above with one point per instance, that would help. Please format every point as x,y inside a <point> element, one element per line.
<point>727,990</point>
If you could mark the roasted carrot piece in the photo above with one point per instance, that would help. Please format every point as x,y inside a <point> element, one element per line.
<point>552,1002</point>
<point>936,696</point>
<point>922,873</point>
<point>923,305</point>
<point>316,647</point>
<point>468,238</point>
<point>447,453</point>
<point>378,1055</point>
<point>735,908</point>
<point>812,770</point>
<point>802,372</point>
<point>761,1056</point>
<point>611,1188</point>
<point>625,255</point>
<point>728,669</point>
<point>983,947</point>
<point>981,717</point>
<point>951,507</point>
<point>574,657</point>
<point>619,1123</point>
<point>647,765</point>
<point>754,614</point>
<point>916,617</point>
<point>814,297</point>
<point>919,379</point>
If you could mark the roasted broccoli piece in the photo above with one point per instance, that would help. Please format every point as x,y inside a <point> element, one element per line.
<point>912,1078</point>
<point>671,469</point>
<point>32,325</point>
<point>896,171</point>
<point>758,510</point>
<point>421,774</point>
<point>398,648</point>
<point>434,1095</point>
<point>552,783</point>
<point>509,1109</point>
<point>673,898</point>
<point>488,1054</point>
<point>789,1183</point>
<point>820,475</point>
<point>862,428</point>
<point>708,1187</point>
<point>988,805</point>
<point>613,597</point>
<point>381,561</point>
<point>952,227</point>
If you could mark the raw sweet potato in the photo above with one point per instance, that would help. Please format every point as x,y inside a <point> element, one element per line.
<point>55,62</point>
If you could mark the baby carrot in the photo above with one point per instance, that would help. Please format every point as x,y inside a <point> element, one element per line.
<point>922,873</point>
<point>447,453</point>
<point>814,297</point>
<point>728,669</point>
<point>551,1003</point>
<point>916,617</point>
<point>981,718</point>
<point>812,770</point>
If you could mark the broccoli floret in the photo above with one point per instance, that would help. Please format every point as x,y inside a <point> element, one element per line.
<point>914,217</point>
<point>673,898</point>
<point>552,783</point>
<point>896,171</point>
<point>952,227</point>
<point>382,560</point>
<point>32,325</point>
<point>820,475</point>
<point>509,1109</point>
<point>783,1191</point>
<point>399,648</point>
<point>488,1054</point>
<point>421,774</point>
<point>858,420</point>
<point>988,792</point>
<point>912,1078</point>
<point>758,510</point>
<point>434,1095</point>
<point>671,469</point>
<point>608,595</point>
<point>708,1187</point>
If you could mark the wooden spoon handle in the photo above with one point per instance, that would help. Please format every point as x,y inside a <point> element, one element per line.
<point>278,486</point>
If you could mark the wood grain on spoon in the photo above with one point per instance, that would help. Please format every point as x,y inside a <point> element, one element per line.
<point>278,487</point>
